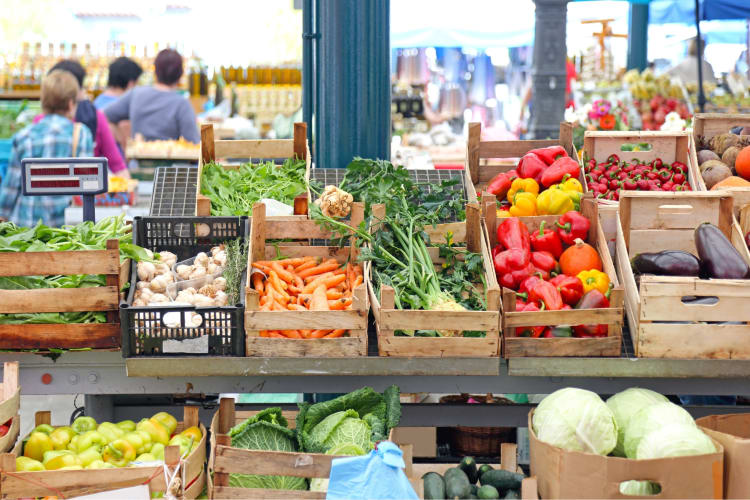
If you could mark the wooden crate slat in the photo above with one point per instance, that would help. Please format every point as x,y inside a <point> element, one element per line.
<point>99,298</point>
<point>54,263</point>
<point>68,336</point>
<point>297,230</point>
<point>440,347</point>
<point>569,347</point>
<point>512,149</point>
<point>305,320</point>
<point>262,148</point>
<point>277,463</point>
<point>321,252</point>
<point>396,319</point>
<point>611,316</point>
<point>343,347</point>
<point>663,340</point>
<point>226,492</point>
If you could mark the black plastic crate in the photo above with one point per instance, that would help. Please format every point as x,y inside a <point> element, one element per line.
<point>144,331</point>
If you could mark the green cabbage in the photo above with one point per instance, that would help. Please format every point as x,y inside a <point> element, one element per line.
<point>321,484</point>
<point>265,431</point>
<point>639,488</point>
<point>652,418</point>
<point>674,440</point>
<point>627,403</point>
<point>341,429</point>
<point>576,420</point>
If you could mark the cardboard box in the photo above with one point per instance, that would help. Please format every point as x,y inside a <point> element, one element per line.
<point>570,474</point>
<point>733,432</point>
<point>423,439</point>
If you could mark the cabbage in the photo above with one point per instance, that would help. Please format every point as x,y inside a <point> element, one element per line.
<point>341,429</point>
<point>639,488</point>
<point>652,418</point>
<point>321,484</point>
<point>674,440</point>
<point>627,403</point>
<point>576,420</point>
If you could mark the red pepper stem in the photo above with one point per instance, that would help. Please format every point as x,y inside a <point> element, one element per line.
<point>565,178</point>
<point>609,290</point>
<point>564,227</point>
<point>541,228</point>
<point>524,295</point>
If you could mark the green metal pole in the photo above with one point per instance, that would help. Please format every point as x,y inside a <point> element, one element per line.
<point>638,37</point>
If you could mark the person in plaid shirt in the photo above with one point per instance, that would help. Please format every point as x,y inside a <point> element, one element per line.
<point>55,136</point>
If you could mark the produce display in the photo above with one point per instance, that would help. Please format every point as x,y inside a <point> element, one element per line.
<point>351,424</point>
<point>140,148</point>
<point>545,182</point>
<point>717,258</point>
<point>552,270</point>
<point>636,423</point>
<point>84,236</point>
<point>305,284</point>
<point>655,97</point>
<point>725,160</point>
<point>606,179</point>
<point>235,191</point>
<point>469,480</point>
<point>86,444</point>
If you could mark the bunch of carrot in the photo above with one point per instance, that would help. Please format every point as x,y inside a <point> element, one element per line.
<point>305,284</point>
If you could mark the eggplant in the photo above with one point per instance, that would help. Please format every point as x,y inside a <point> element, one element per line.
<point>667,263</point>
<point>719,258</point>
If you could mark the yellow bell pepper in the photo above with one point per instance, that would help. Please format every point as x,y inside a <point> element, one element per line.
<point>119,453</point>
<point>524,204</point>
<point>554,202</point>
<point>501,214</point>
<point>166,420</point>
<point>37,445</point>
<point>193,432</point>
<point>594,280</point>
<point>54,460</point>
<point>522,186</point>
<point>25,464</point>
<point>570,184</point>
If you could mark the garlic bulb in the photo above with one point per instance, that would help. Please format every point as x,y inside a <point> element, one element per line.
<point>220,283</point>
<point>212,268</point>
<point>158,298</point>
<point>216,250</point>
<point>197,272</point>
<point>200,300</point>
<point>146,293</point>
<point>141,285</point>
<point>184,271</point>
<point>220,258</point>
<point>139,303</point>
<point>221,298</point>
<point>168,258</point>
<point>159,284</point>
<point>201,259</point>
<point>163,268</point>
<point>145,271</point>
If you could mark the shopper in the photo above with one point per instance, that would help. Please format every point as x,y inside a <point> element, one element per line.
<point>123,75</point>
<point>158,112</point>
<point>95,120</point>
<point>54,136</point>
<point>687,69</point>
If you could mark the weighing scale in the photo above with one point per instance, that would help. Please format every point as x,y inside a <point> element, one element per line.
<point>66,176</point>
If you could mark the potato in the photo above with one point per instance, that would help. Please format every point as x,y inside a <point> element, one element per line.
<point>706,154</point>
<point>721,143</point>
<point>714,173</point>
<point>710,163</point>
<point>730,156</point>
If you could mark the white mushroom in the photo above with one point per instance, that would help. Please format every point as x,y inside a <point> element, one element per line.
<point>168,258</point>
<point>201,259</point>
<point>220,258</point>
<point>221,298</point>
<point>200,300</point>
<point>212,268</point>
<point>145,271</point>
<point>220,283</point>
<point>163,268</point>
<point>158,298</point>
<point>197,272</point>
<point>139,303</point>
<point>184,271</point>
<point>216,250</point>
<point>146,293</point>
<point>141,285</point>
<point>159,284</point>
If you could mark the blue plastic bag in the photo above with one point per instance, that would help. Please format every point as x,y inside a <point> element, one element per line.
<point>378,475</point>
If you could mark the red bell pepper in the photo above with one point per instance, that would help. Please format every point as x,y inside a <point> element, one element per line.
<point>512,233</point>
<point>571,226</point>
<point>512,267</point>
<point>558,170</point>
<point>558,331</point>
<point>550,154</point>
<point>499,185</point>
<point>570,288</point>
<point>530,166</point>
<point>529,283</point>
<point>546,293</point>
<point>593,299</point>
<point>546,240</point>
<point>544,261</point>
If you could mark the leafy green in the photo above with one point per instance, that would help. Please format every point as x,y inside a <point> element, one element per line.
<point>265,431</point>
<point>236,264</point>
<point>41,238</point>
<point>343,420</point>
<point>234,191</point>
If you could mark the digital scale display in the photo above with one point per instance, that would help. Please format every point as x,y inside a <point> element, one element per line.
<point>64,176</point>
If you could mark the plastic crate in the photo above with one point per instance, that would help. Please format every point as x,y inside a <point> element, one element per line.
<point>5,147</point>
<point>221,332</point>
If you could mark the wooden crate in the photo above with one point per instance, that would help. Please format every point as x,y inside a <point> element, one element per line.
<point>480,166</point>
<point>73,483</point>
<point>709,125</point>
<point>11,400</point>
<point>64,336</point>
<point>225,460</point>
<point>213,150</point>
<point>515,347</point>
<point>669,146</point>
<point>264,229</point>
<point>388,318</point>
<point>662,326</point>
<point>508,461</point>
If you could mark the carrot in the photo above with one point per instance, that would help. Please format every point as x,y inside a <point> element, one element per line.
<point>329,282</point>
<point>333,294</point>
<point>319,334</point>
<point>258,282</point>
<point>296,307</point>
<point>282,273</point>
<point>329,265</point>
<point>319,301</point>
<point>335,334</point>
<point>263,333</point>
<point>276,335</point>
<point>307,265</point>
<point>291,334</point>
<point>277,284</point>
<point>305,333</point>
<point>337,305</point>
<point>357,281</point>
<point>349,274</point>
<point>340,271</point>
<point>315,277</point>
<point>294,261</point>
<point>277,306</point>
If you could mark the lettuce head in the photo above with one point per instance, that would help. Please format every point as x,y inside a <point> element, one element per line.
<point>627,403</point>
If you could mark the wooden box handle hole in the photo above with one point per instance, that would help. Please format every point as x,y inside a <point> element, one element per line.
<point>637,147</point>
<point>700,301</point>
<point>676,209</point>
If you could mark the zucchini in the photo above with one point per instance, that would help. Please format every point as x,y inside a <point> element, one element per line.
<point>469,466</point>
<point>484,468</point>
<point>502,479</point>
<point>512,495</point>
<point>474,489</point>
<point>434,486</point>
<point>488,492</point>
<point>456,484</point>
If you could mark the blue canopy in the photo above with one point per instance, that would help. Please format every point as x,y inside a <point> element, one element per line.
<point>726,9</point>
